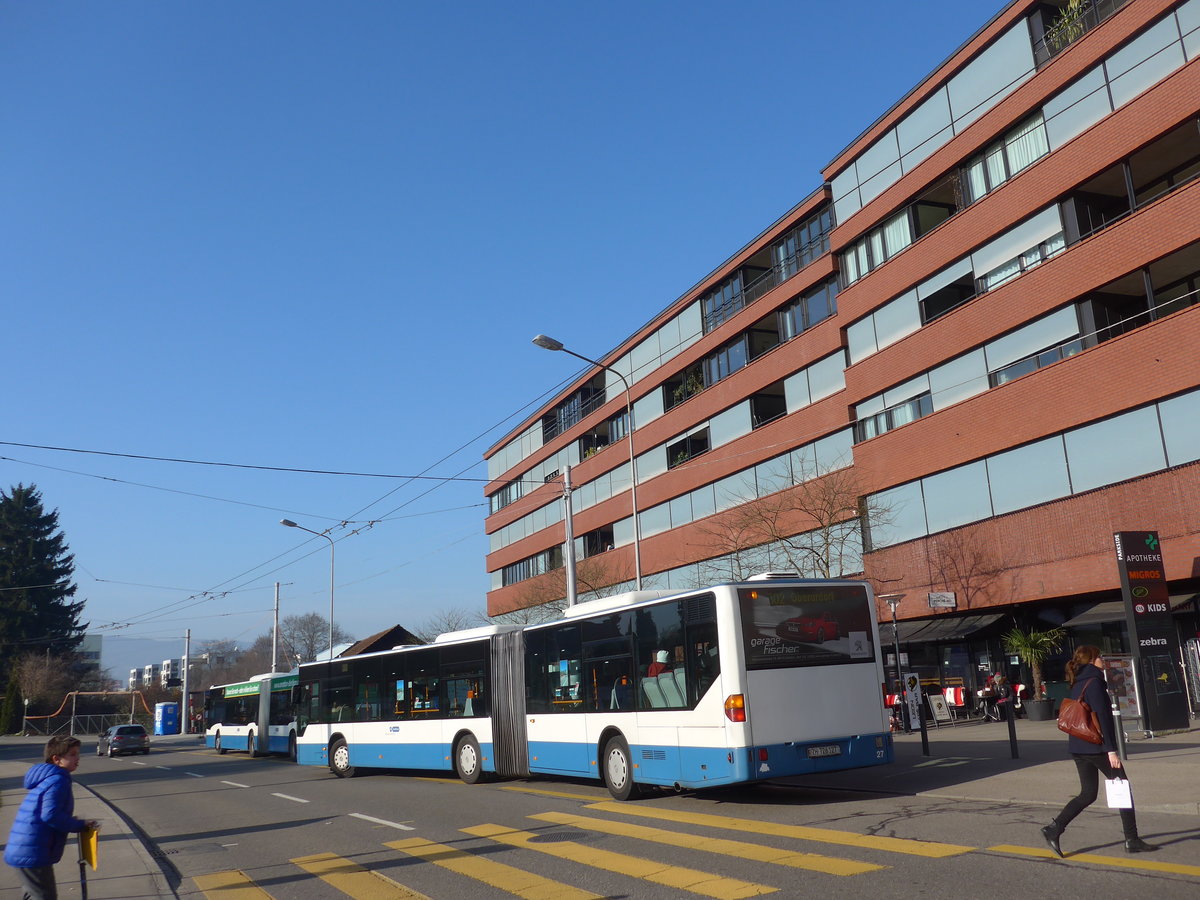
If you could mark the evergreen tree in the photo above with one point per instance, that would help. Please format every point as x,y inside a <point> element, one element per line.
<point>11,711</point>
<point>36,568</point>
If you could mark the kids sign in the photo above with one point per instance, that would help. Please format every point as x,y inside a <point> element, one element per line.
<point>1152,632</point>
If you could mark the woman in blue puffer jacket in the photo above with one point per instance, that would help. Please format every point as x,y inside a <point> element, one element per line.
<point>46,817</point>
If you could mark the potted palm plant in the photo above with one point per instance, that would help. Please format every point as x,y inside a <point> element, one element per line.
<point>1032,646</point>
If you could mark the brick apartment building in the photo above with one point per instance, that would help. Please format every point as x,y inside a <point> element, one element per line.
<point>982,330</point>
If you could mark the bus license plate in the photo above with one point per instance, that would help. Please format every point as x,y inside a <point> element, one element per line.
<point>824,750</point>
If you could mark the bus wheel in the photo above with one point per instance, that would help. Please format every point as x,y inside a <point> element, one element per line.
<point>217,743</point>
<point>468,760</point>
<point>292,747</point>
<point>618,769</point>
<point>251,747</point>
<point>339,760</point>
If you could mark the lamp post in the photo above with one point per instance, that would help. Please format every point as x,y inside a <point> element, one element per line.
<point>25,717</point>
<point>549,343</point>
<point>893,600</point>
<point>290,524</point>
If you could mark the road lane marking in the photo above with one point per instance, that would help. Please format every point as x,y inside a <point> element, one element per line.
<point>930,849</point>
<point>163,767</point>
<point>235,784</point>
<point>830,865</point>
<point>367,818</point>
<point>193,774</point>
<point>137,762</point>
<point>289,797</point>
<point>677,877</point>
<point>496,874</point>
<point>1140,864</point>
<point>545,793</point>
<point>353,880</point>
<point>231,885</point>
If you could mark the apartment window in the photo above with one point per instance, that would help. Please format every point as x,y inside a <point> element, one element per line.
<point>1017,150</point>
<point>882,243</point>
<point>538,564</point>
<point>722,302</point>
<point>510,493</point>
<point>681,451</point>
<point>768,405</point>
<point>725,361</point>
<point>806,311</point>
<point>1035,362</point>
<point>684,385</point>
<point>895,416</point>
<point>802,245</point>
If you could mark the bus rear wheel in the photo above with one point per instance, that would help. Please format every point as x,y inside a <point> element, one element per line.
<point>339,760</point>
<point>217,743</point>
<point>617,769</point>
<point>468,761</point>
<point>292,747</point>
<point>251,747</point>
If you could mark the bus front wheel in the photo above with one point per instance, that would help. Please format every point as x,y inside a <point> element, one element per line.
<point>292,747</point>
<point>217,743</point>
<point>618,769</point>
<point>468,761</point>
<point>339,760</point>
<point>251,747</point>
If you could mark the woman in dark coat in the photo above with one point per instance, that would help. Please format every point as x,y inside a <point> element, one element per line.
<point>1085,672</point>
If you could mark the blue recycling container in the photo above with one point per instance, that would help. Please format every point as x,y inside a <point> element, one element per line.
<point>166,718</point>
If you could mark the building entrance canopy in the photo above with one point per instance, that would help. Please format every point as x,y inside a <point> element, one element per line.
<point>944,628</point>
<point>1114,611</point>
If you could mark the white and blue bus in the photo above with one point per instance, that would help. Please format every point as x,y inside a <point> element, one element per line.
<point>729,684</point>
<point>256,715</point>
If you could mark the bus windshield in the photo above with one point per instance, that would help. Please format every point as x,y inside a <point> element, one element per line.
<point>785,626</point>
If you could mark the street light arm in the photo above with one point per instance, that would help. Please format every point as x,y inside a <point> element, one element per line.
<point>290,524</point>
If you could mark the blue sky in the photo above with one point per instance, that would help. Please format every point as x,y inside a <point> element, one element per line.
<point>321,236</point>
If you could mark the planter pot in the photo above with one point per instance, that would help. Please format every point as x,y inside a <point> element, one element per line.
<point>1039,710</point>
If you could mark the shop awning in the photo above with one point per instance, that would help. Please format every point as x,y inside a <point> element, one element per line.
<point>942,628</point>
<point>1114,611</point>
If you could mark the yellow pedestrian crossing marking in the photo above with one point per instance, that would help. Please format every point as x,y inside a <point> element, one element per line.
<point>497,874</point>
<point>677,877</point>
<point>353,880</point>
<point>545,793</point>
<point>230,885</point>
<point>1140,864</point>
<point>741,849</point>
<point>930,849</point>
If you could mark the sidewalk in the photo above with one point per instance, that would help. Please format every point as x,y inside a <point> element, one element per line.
<point>972,760</point>
<point>967,761</point>
<point>126,870</point>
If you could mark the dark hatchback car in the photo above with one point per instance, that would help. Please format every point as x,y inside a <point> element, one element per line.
<point>123,739</point>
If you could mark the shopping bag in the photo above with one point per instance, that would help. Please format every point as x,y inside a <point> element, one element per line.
<point>1118,794</point>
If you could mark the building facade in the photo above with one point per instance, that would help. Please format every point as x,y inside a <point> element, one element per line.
<point>955,369</point>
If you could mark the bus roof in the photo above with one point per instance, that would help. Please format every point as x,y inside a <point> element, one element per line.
<point>468,634</point>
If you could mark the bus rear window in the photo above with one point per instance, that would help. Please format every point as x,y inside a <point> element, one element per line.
<point>806,625</point>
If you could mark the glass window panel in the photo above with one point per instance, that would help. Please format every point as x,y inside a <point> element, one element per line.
<point>873,187</point>
<point>849,267</point>
<point>1158,63</point>
<point>1026,144</point>
<point>835,451</point>
<point>732,423</point>
<point>992,75</point>
<point>906,391</point>
<point>997,172</point>
<point>1010,245</point>
<point>958,379</point>
<point>897,233</point>
<point>845,183</point>
<point>847,206</point>
<point>645,359</point>
<point>704,502</point>
<point>897,318</point>
<point>869,407</point>
<point>875,239</point>
<point>976,180</point>
<point>795,391</point>
<point>655,520</point>
<point>884,154</point>
<point>1181,427</point>
<point>652,463</point>
<point>1141,48</point>
<point>623,532</point>
<point>1132,446</point>
<point>861,338</point>
<point>924,129</point>
<point>735,490</point>
<point>1076,107</point>
<point>803,462</point>
<point>951,273</point>
<point>957,497</point>
<point>691,326</point>
<point>1037,335</point>
<point>773,475</point>
<point>827,376</point>
<point>1189,24</point>
<point>1027,476</point>
<point>903,515</point>
<point>647,409</point>
<point>681,510</point>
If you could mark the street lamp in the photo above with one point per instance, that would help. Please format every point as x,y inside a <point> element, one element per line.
<point>893,600</point>
<point>290,524</point>
<point>549,343</point>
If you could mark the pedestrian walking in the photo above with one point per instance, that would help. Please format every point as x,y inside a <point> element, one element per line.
<point>1085,673</point>
<point>46,817</point>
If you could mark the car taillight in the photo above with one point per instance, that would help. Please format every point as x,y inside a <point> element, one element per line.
<point>735,708</point>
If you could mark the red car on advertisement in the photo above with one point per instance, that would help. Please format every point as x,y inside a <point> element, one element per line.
<point>819,628</point>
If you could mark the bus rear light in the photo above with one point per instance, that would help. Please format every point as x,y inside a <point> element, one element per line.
<point>762,754</point>
<point>735,708</point>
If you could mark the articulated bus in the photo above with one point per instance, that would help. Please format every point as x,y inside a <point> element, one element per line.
<point>256,715</point>
<point>733,683</point>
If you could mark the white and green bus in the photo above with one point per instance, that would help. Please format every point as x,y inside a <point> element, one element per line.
<point>257,716</point>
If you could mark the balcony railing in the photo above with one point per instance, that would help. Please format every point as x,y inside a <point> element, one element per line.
<point>1073,21</point>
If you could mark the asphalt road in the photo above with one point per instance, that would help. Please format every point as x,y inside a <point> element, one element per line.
<point>248,826</point>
